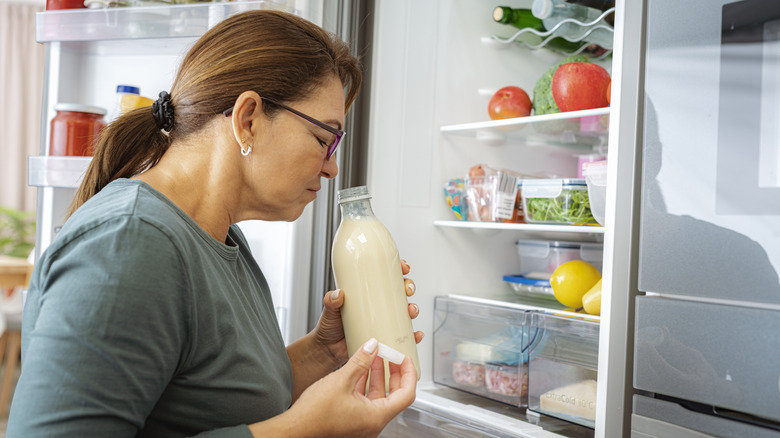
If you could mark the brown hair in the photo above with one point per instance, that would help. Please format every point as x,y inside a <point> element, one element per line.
<point>276,54</point>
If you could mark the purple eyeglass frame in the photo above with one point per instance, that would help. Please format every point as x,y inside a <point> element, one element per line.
<point>337,132</point>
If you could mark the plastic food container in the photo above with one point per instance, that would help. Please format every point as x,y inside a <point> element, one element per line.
<point>468,373</point>
<point>530,286</point>
<point>507,380</point>
<point>563,367</point>
<point>584,161</point>
<point>596,179</point>
<point>539,258</point>
<point>557,201</point>
<point>75,128</point>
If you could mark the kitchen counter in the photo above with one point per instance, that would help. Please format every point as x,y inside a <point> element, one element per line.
<point>14,271</point>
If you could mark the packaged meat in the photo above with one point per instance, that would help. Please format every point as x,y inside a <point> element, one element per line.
<point>508,380</point>
<point>468,373</point>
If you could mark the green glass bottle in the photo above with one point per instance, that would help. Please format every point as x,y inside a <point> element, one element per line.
<point>524,19</point>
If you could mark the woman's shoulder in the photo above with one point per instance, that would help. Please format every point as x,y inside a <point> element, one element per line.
<point>124,209</point>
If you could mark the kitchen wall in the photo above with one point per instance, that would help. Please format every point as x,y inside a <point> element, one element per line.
<point>21,76</point>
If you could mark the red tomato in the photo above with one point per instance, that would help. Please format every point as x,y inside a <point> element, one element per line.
<point>509,102</point>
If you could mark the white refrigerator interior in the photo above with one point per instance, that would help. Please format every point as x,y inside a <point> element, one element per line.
<point>435,66</point>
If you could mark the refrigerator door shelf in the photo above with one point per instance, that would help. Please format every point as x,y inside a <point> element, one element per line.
<point>61,172</point>
<point>155,22</point>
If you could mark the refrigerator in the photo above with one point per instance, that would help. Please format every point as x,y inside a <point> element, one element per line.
<point>705,359</point>
<point>421,120</point>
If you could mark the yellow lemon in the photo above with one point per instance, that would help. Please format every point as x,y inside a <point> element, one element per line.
<point>591,301</point>
<point>572,280</point>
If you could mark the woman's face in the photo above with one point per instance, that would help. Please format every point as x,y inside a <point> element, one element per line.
<point>288,157</point>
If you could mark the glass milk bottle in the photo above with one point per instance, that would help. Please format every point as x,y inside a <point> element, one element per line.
<point>368,271</point>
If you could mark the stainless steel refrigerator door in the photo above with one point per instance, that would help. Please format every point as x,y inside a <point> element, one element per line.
<point>709,355</point>
<point>710,209</point>
<point>653,418</point>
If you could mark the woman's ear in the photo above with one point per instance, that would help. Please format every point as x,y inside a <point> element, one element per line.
<point>246,111</point>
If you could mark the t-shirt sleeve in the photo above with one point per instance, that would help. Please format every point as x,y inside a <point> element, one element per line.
<point>111,316</point>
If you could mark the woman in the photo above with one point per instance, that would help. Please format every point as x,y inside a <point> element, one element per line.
<point>147,316</point>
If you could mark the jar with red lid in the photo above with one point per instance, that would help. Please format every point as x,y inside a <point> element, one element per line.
<point>75,129</point>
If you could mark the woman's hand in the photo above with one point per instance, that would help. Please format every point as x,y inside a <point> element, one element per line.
<point>338,405</point>
<point>330,331</point>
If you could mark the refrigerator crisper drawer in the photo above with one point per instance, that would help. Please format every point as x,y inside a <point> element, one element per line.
<point>562,367</point>
<point>481,349</point>
<point>653,418</point>
<point>713,354</point>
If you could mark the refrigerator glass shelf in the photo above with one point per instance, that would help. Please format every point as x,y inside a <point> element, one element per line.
<point>135,23</point>
<point>54,171</point>
<point>584,129</point>
<point>573,233</point>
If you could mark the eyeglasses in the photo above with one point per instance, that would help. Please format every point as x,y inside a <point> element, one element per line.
<point>338,134</point>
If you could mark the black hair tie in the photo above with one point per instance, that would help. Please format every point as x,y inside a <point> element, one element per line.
<point>162,110</point>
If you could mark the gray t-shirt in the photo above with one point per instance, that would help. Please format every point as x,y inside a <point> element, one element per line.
<point>139,323</point>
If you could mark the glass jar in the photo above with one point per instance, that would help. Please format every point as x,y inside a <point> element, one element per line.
<point>75,128</point>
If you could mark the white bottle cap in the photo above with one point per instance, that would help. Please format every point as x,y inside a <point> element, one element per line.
<point>542,8</point>
<point>390,354</point>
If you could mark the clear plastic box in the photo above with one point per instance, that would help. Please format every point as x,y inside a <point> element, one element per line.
<point>539,258</point>
<point>484,198</point>
<point>481,349</point>
<point>557,201</point>
<point>596,179</point>
<point>562,367</point>
<point>526,286</point>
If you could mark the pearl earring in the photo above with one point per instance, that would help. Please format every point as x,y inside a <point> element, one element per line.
<point>248,150</point>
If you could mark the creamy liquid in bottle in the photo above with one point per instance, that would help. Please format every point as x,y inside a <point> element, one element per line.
<point>367,268</point>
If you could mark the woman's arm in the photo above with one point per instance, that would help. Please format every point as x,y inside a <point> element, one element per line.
<point>100,324</point>
<point>311,359</point>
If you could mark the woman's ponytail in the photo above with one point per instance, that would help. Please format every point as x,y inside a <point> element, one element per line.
<point>126,147</point>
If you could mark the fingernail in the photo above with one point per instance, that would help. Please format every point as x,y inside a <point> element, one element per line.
<point>416,309</point>
<point>335,295</point>
<point>370,346</point>
<point>412,287</point>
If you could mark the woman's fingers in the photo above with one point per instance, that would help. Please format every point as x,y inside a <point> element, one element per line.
<point>418,337</point>
<point>376,383</point>
<point>402,384</point>
<point>410,287</point>
<point>333,299</point>
<point>414,310</point>
<point>405,267</point>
